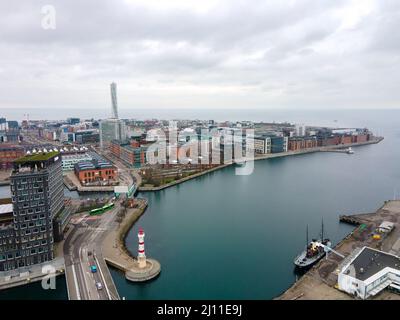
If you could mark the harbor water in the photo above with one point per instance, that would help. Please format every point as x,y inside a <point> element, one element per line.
<point>223,236</point>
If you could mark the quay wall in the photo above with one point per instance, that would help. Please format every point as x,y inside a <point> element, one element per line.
<point>262,157</point>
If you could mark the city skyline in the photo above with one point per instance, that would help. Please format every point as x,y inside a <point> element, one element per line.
<point>216,54</point>
<point>192,157</point>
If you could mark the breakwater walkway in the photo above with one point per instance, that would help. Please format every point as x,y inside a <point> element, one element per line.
<point>115,253</point>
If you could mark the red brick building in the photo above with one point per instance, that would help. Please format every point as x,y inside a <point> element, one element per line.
<point>347,139</point>
<point>296,144</point>
<point>9,153</point>
<point>130,152</point>
<point>96,171</point>
<point>361,138</point>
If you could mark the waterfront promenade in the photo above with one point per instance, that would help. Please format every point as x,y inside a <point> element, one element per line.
<point>258,157</point>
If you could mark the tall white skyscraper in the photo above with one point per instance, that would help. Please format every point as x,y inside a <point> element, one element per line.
<point>114,128</point>
<point>114,100</point>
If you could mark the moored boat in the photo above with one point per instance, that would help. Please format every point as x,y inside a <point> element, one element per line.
<point>314,251</point>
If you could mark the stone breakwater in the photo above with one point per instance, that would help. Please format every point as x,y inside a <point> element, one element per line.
<point>117,255</point>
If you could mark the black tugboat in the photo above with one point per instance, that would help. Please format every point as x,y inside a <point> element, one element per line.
<point>313,252</point>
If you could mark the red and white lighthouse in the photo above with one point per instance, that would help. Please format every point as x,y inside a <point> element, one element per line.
<point>141,253</point>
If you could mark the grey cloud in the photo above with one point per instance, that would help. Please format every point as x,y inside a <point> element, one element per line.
<point>276,52</point>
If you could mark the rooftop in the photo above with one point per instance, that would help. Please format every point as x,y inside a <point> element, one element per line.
<point>369,262</point>
<point>77,156</point>
<point>44,156</point>
<point>93,164</point>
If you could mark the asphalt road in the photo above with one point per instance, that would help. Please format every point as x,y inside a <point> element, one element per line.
<point>81,250</point>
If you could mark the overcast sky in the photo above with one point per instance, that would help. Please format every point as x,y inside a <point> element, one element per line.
<point>201,54</point>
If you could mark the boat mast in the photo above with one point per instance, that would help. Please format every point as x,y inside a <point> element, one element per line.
<point>307,236</point>
<point>322,230</point>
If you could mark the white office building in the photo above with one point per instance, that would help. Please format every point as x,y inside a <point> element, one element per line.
<point>262,145</point>
<point>369,272</point>
<point>300,130</point>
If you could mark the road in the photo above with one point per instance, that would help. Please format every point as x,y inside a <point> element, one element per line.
<point>82,248</point>
<point>33,138</point>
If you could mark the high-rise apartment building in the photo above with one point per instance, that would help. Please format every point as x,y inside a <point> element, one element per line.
<point>37,198</point>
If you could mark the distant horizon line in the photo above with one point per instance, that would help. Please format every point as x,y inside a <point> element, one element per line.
<point>210,108</point>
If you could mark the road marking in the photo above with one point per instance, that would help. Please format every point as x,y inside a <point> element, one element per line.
<point>102,277</point>
<point>81,258</point>
<point>76,282</point>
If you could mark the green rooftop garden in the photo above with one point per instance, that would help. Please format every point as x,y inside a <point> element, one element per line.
<point>36,157</point>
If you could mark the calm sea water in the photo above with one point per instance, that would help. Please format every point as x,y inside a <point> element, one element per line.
<point>224,236</point>
<point>34,291</point>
